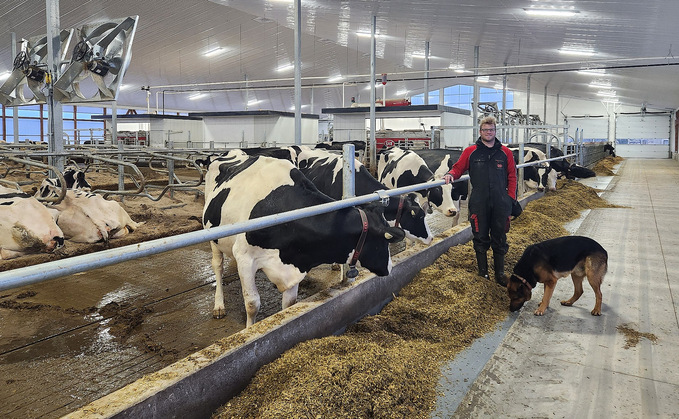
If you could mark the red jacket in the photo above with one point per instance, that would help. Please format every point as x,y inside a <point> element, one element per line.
<point>482,163</point>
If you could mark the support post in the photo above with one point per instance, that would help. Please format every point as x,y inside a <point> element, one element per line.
<point>55,116</point>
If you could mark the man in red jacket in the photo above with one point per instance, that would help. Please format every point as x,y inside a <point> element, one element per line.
<point>492,173</point>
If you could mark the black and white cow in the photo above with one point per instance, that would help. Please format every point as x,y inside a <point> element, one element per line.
<point>440,161</point>
<point>539,176</point>
<point>338,145</point>
<point>74,177</point>
<point>325,170</point>
<point>561,166</point>
<point>289,153</point>
<point>239,187</point>
<point>397,168</point>
<point>575,171</point>
<point>26,226</point>
<point>611,150</point>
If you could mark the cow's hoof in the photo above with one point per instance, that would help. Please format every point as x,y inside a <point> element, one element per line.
<point>568,304</point>
<point>596,312</point>
<point>539,312</point>
<point>218,313</point>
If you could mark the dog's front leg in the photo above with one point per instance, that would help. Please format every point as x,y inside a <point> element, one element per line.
<point>549,290</point>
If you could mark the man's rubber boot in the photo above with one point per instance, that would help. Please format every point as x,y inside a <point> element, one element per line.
<point>499,266</point>
<point>482,262</point>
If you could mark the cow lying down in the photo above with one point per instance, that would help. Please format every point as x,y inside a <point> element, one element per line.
<point>86,217</point>
<point>26,226</point>
<point>239,187</point>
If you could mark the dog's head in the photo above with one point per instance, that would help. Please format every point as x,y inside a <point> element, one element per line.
<point>518,293</point>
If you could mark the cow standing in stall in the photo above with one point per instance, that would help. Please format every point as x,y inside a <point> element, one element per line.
<point>326,170</point>
<point>26,226</point>
<point>397,168</point>
<point>440,161</point>
<point>239,187</point>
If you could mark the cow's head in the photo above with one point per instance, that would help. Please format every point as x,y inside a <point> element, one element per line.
<point>375,253</point>
<point>49,188</point>
<point>547,178</point>
<point>413,219</point>
<point>75,179</point>
<point>26,225</point>
<point>450,206</point>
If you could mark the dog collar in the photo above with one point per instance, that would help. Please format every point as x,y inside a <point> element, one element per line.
<point>530,287</point>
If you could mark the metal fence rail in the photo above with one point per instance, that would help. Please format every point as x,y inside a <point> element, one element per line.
<point>55,269</point>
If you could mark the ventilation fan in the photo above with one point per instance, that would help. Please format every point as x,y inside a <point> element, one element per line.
<point>26,83</point>
<point>98,62</point>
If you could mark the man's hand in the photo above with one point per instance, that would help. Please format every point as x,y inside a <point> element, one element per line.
<point>448,178</point>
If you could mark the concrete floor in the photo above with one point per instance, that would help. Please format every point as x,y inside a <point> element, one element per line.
<point>569,364</point>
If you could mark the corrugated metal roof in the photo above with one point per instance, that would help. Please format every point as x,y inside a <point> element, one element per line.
<point>257,36</point>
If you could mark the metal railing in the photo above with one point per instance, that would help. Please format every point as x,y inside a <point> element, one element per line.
<point>55,269</point>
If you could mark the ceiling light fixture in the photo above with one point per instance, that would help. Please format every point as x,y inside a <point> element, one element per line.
<point>607,93</point>
<point>334,79</point>
<point>196,96</point>
<point>214,51</point>
<point>483,79</point>
<point>367,34</point>
<point>600,84</point>
<point>592,71</point>
<point>253,102</point>
<point>285,67</point>
<point>402,93</point>
<point>551,12</point>
<point>574,51</point>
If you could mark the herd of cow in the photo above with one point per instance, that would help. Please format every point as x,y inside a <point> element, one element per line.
<point>243,184</point>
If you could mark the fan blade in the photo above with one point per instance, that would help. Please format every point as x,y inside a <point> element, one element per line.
<point>61,87</point>
<point>36,88</point>
<point>104,91</point>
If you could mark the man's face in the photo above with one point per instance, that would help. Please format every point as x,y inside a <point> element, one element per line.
<point>487,132</point>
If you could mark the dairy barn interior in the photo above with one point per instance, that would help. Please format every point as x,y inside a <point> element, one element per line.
<point>135,95</point>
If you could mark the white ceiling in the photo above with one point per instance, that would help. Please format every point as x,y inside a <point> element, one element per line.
<point>633,40</point>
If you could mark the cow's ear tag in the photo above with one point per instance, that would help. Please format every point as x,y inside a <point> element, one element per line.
<point>352,272</point>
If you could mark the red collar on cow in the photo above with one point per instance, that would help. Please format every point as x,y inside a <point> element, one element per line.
<point>399,211</point>
<point>353,272</point>
<point>530,287</point>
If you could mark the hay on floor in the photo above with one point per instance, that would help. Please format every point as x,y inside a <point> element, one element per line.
<point>387,365</point>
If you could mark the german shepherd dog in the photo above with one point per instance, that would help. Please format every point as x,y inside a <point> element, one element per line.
<point>550,260</point>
